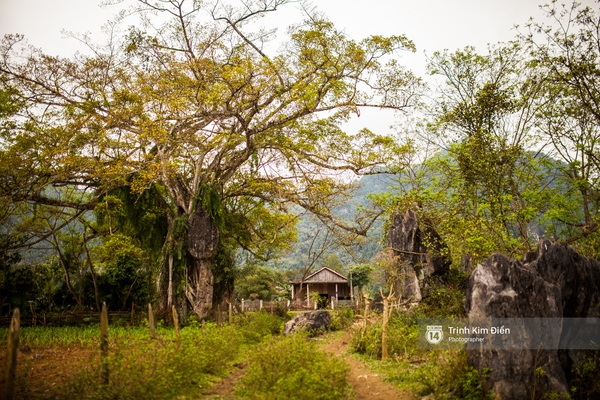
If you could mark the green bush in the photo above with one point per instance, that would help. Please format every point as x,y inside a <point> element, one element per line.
<point>446,301</point>
<point>585,383</point>
<point>255,327</point>
<point>402,338</point>
<point>342,318</point>
<point>442,374</point>
<point>293,368</point>
<point>447,375</point>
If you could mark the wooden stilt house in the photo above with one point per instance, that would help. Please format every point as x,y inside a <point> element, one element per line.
<point>328,283</point>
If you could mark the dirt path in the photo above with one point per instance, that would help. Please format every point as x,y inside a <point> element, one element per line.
<point>366,383</point>
<point>223,390</point>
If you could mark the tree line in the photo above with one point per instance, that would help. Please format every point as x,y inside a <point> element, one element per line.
<point>155,166</point>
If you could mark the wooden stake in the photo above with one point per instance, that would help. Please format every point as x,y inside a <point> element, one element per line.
<point>384,330</point>
<point>151,319</point>
<point>230,303</point>
<point>176,321</point>
<point>104,345</point>
<point>11,356</point>
<point>385,323</point>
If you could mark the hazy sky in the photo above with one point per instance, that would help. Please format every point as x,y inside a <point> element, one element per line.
<point>431,24</point>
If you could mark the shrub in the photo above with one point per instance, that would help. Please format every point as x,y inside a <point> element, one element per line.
<point>402,338</point>
<point>342,318</point>
<point>293,368</point>
<point>442,374</point>
<point>585,383</point>
<point>255,327</point>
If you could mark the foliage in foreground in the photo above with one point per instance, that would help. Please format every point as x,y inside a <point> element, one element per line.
<point>162,368</point>
<point>293,368</point>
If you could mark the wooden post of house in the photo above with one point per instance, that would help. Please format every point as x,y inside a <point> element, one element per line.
<point>288,304</point>
<point>11,356</point>
<point>336,293</point>
<point>351,290</point>
<point>292,292</point>
<point>307,296</point>
<point>104,345</point>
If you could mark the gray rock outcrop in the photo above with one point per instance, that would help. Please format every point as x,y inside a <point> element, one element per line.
<point>420,251</point>
<point>552,282</point>
<point>313,322</point>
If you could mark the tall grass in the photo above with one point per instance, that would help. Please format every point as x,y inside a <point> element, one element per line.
<point>77,335</point>
<point>162,368</point>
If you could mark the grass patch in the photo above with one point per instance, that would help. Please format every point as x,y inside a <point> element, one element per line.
<point>87,336</point>
<point>293,368</point>
<point>161,368</point>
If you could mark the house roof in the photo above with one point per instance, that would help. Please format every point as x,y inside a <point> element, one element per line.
<point>325,274</point>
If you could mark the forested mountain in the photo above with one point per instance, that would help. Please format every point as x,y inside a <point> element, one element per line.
<point>313,240</point>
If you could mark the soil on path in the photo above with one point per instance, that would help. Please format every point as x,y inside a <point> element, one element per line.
<point>367,384</point>
<point>223,390</point>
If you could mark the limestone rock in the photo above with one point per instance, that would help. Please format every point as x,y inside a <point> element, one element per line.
<point>313,322</point>
<point>552,282</point>
<point>421,253</point>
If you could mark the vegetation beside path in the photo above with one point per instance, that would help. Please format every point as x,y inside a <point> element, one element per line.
<point>248,360</point>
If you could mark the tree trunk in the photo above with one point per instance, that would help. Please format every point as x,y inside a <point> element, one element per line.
<point>199,286</point>
<point>203,240</point>
<point>94,280</point>
<point>170,287</point>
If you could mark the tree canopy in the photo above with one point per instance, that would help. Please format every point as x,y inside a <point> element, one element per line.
<point>190,105</point>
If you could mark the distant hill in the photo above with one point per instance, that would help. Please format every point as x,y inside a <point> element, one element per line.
<point>361,253</point>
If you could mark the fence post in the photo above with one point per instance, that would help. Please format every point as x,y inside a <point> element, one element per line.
<point>104,344</point>
<point>230,303</point>
<point>11,356</point>
<point>384,330</point>
<point>151,319</point>
<point>176,321</point>
<point>132,313</point>
<point>242,305</point>
<point>33,314</point>
<point>332,305</point>
<point>260,305</point>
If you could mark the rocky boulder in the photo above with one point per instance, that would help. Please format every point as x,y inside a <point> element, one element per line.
<point>552,282</point>
<point>312,322</point>
<point>420,252</point>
